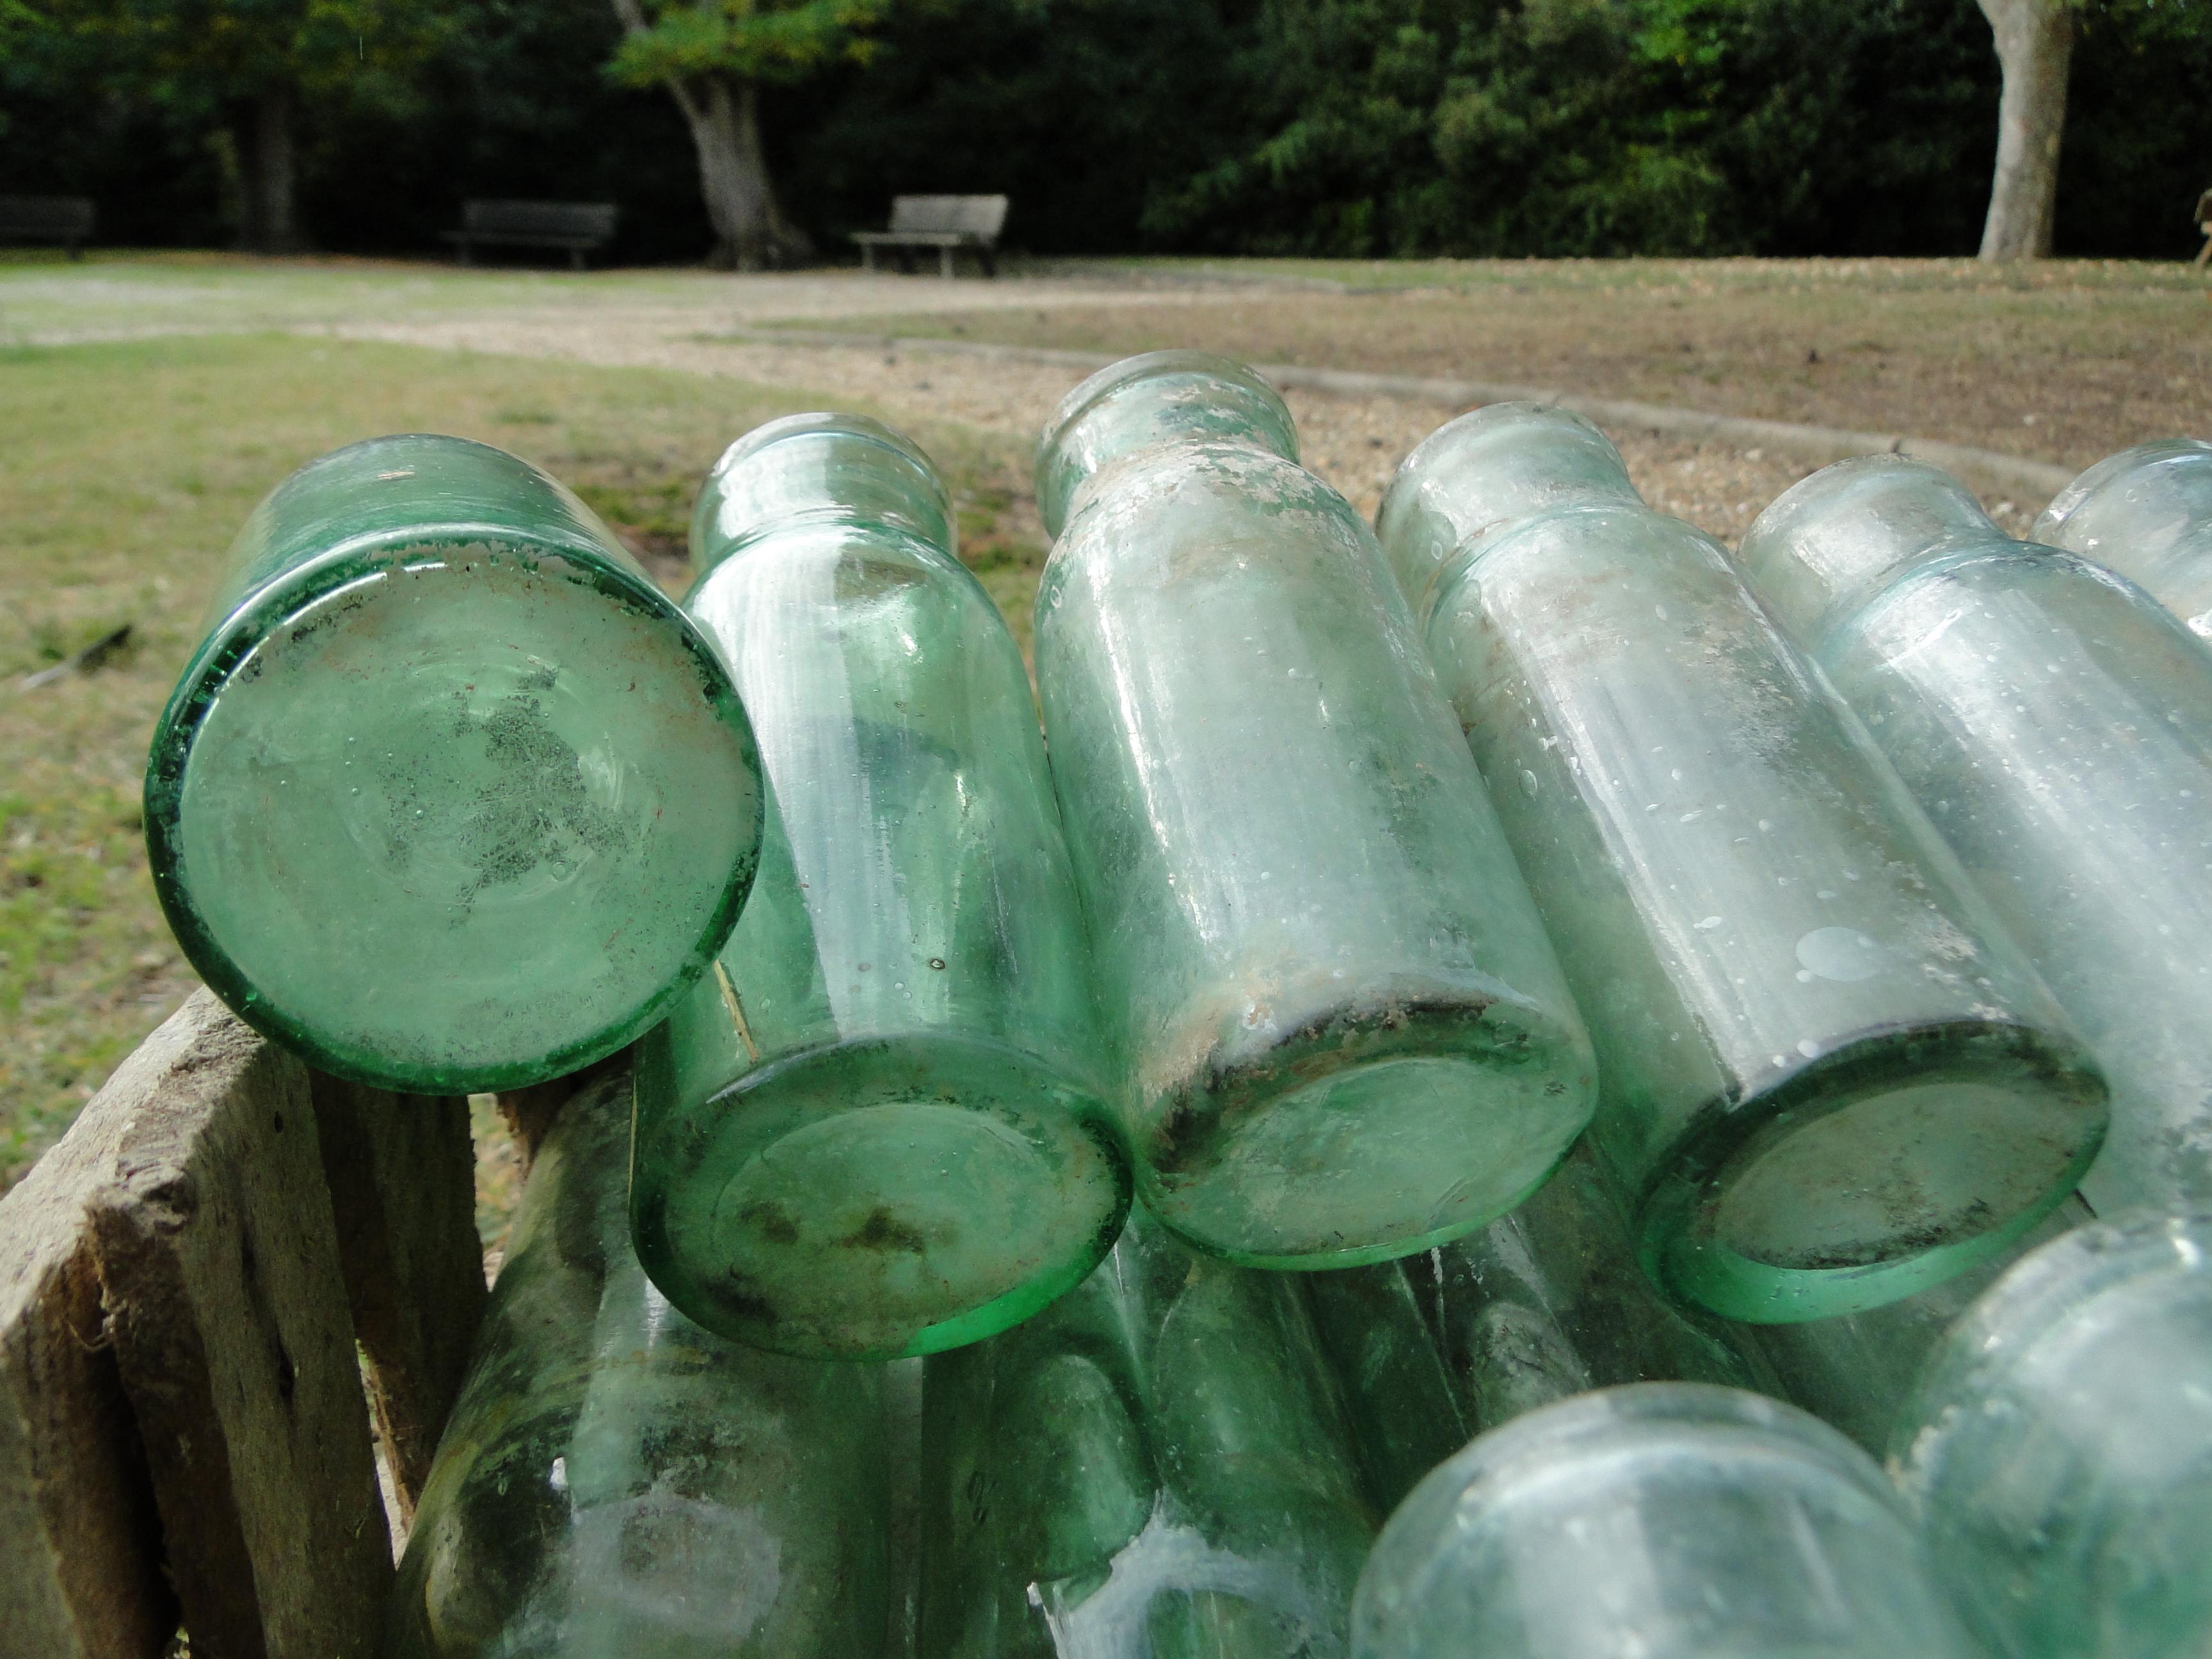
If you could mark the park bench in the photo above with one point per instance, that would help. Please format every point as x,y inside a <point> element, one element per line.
<point>66,220</point>
<point>579,227</point>
<point>947,223</point>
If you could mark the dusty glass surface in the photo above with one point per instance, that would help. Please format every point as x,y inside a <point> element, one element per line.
<point>615,1483</point>
<point>451,798</point>
<point>878,1126</point>
<point>1665,1520</point>
<point>1344,1033</point>
<point>1827,1078</point>
<point>1543,1304</point>
<point>2057,726</point>
<point>2146,512</point>
<point>1154,1468</point>
<point>2060,1447</point>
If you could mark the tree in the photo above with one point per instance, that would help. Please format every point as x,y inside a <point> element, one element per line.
<point>248,67</point>
<point>2035,49</point>
<point>712,56</point>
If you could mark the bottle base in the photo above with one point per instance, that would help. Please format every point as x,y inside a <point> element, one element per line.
<point>1416,1126</point>
<point>1899,1161</point>
<point>452,815</point>
<point>879,1199</point>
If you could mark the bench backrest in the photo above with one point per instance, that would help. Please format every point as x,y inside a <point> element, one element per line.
<point>46,215</point>
<point>975,215</point>
<point>513,218</point>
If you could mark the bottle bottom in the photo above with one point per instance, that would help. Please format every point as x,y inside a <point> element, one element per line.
<point>1369,1137</point>
<point>876,1198</point>
<point>448,817</point>
<point>1896,1163</point>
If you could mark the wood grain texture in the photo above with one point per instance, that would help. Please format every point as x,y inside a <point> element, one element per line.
<point>402,1175</point>
<point>529,1112</point>
<point>218,1257</point>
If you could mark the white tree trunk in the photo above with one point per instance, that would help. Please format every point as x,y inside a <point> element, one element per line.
<point>751,233</point>
<point>2035,47</point>
<point>269,217</point>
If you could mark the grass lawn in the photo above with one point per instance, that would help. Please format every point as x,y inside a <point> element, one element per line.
<point>124,471</point>
<point>2062,360</point>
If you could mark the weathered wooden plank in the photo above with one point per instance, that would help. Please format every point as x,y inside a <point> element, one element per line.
<point>529,1112</point>
<point>80,1547</point>
<point>402,1175</point>
<point>218,1258</point>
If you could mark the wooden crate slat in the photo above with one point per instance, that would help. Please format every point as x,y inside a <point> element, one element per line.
<point>400,1171</point>
<point>218,1257</point>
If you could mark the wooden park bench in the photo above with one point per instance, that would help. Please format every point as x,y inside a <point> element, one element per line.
<point>48,219</point>
<point>579,227</point>
<point>947,223</point>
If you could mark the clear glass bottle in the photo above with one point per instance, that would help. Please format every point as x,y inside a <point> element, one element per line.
<point>1154,1468</point>
<point>1543,1303</point>
<point>1344,1033</point>
<point>2146,512</point>
<point>451,797</point>
<point>878,1126</point>
<point>1827,1079</point>
<point>615,1483</point>
<point>2059,1448</point>
<point>2057,726</point>
<point>1664,1520</point>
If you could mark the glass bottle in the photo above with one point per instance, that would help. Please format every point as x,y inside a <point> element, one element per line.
<point>1544,1302</point>
<point>876,1127</point>
<point>1152,1468</point>
<point>1344,1033</point>
<point>2146,512</point>
<point>615,1483</point>
<point>2057,726</point>
<point>451,797</point>
<point>2059,1446</point>
<point>1665,1520</point>
<point>1827,1079</point>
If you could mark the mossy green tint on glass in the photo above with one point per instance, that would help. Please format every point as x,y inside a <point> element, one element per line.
<point>1544,1302</point>
<point>451,797</point>
<point>615,1483</point>
<point>2057,726</point>
<point>1661,1521</point>
<point>1827,1079</point>
<point>2146,512</point>
<point>1345,1034</point>
<point>878,1126</point>
<point>1152,1468</point>
<point>2059,1446</point>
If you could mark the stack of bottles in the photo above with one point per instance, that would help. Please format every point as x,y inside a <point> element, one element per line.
<point>1450,1088</point>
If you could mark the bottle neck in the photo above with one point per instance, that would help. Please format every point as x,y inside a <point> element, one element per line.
<point>812,469</point>
<point>1824,548</point>
<point>1162,398</point>
<point>1475,476</point>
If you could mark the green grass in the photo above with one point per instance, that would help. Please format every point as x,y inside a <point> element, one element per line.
<point>124,470</point>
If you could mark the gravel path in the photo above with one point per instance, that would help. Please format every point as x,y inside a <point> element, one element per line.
<point>1355,442</point>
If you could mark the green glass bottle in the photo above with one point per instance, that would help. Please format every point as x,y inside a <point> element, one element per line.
<point>1543,1303</point>
<point>617,1483</point>
<point>2059,1446</point>
<point>451,798</point>
<point>1664,1521</point>
<point>878,1128</point>
<point>1154,1469</point>
<point>1344,1033</point>
<point>2146,512</point>
<point>2057,726</point>
<point>1828,1077</point>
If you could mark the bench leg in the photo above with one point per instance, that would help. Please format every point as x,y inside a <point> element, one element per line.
<point>2205,253</point>
<point>576,258</point>
<point>867,257</point>
<point>990,261</point>
<point>944,262</point>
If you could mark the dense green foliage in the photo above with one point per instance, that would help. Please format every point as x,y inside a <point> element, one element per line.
<point>1355,127</point>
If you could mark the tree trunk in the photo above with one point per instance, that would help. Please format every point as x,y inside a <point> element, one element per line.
<point>269,219</point>
<point>2035,45</point>
<point>751,233</point>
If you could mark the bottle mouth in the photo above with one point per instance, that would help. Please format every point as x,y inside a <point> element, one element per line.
<point>1150,398</point>
<point>823,464</point>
